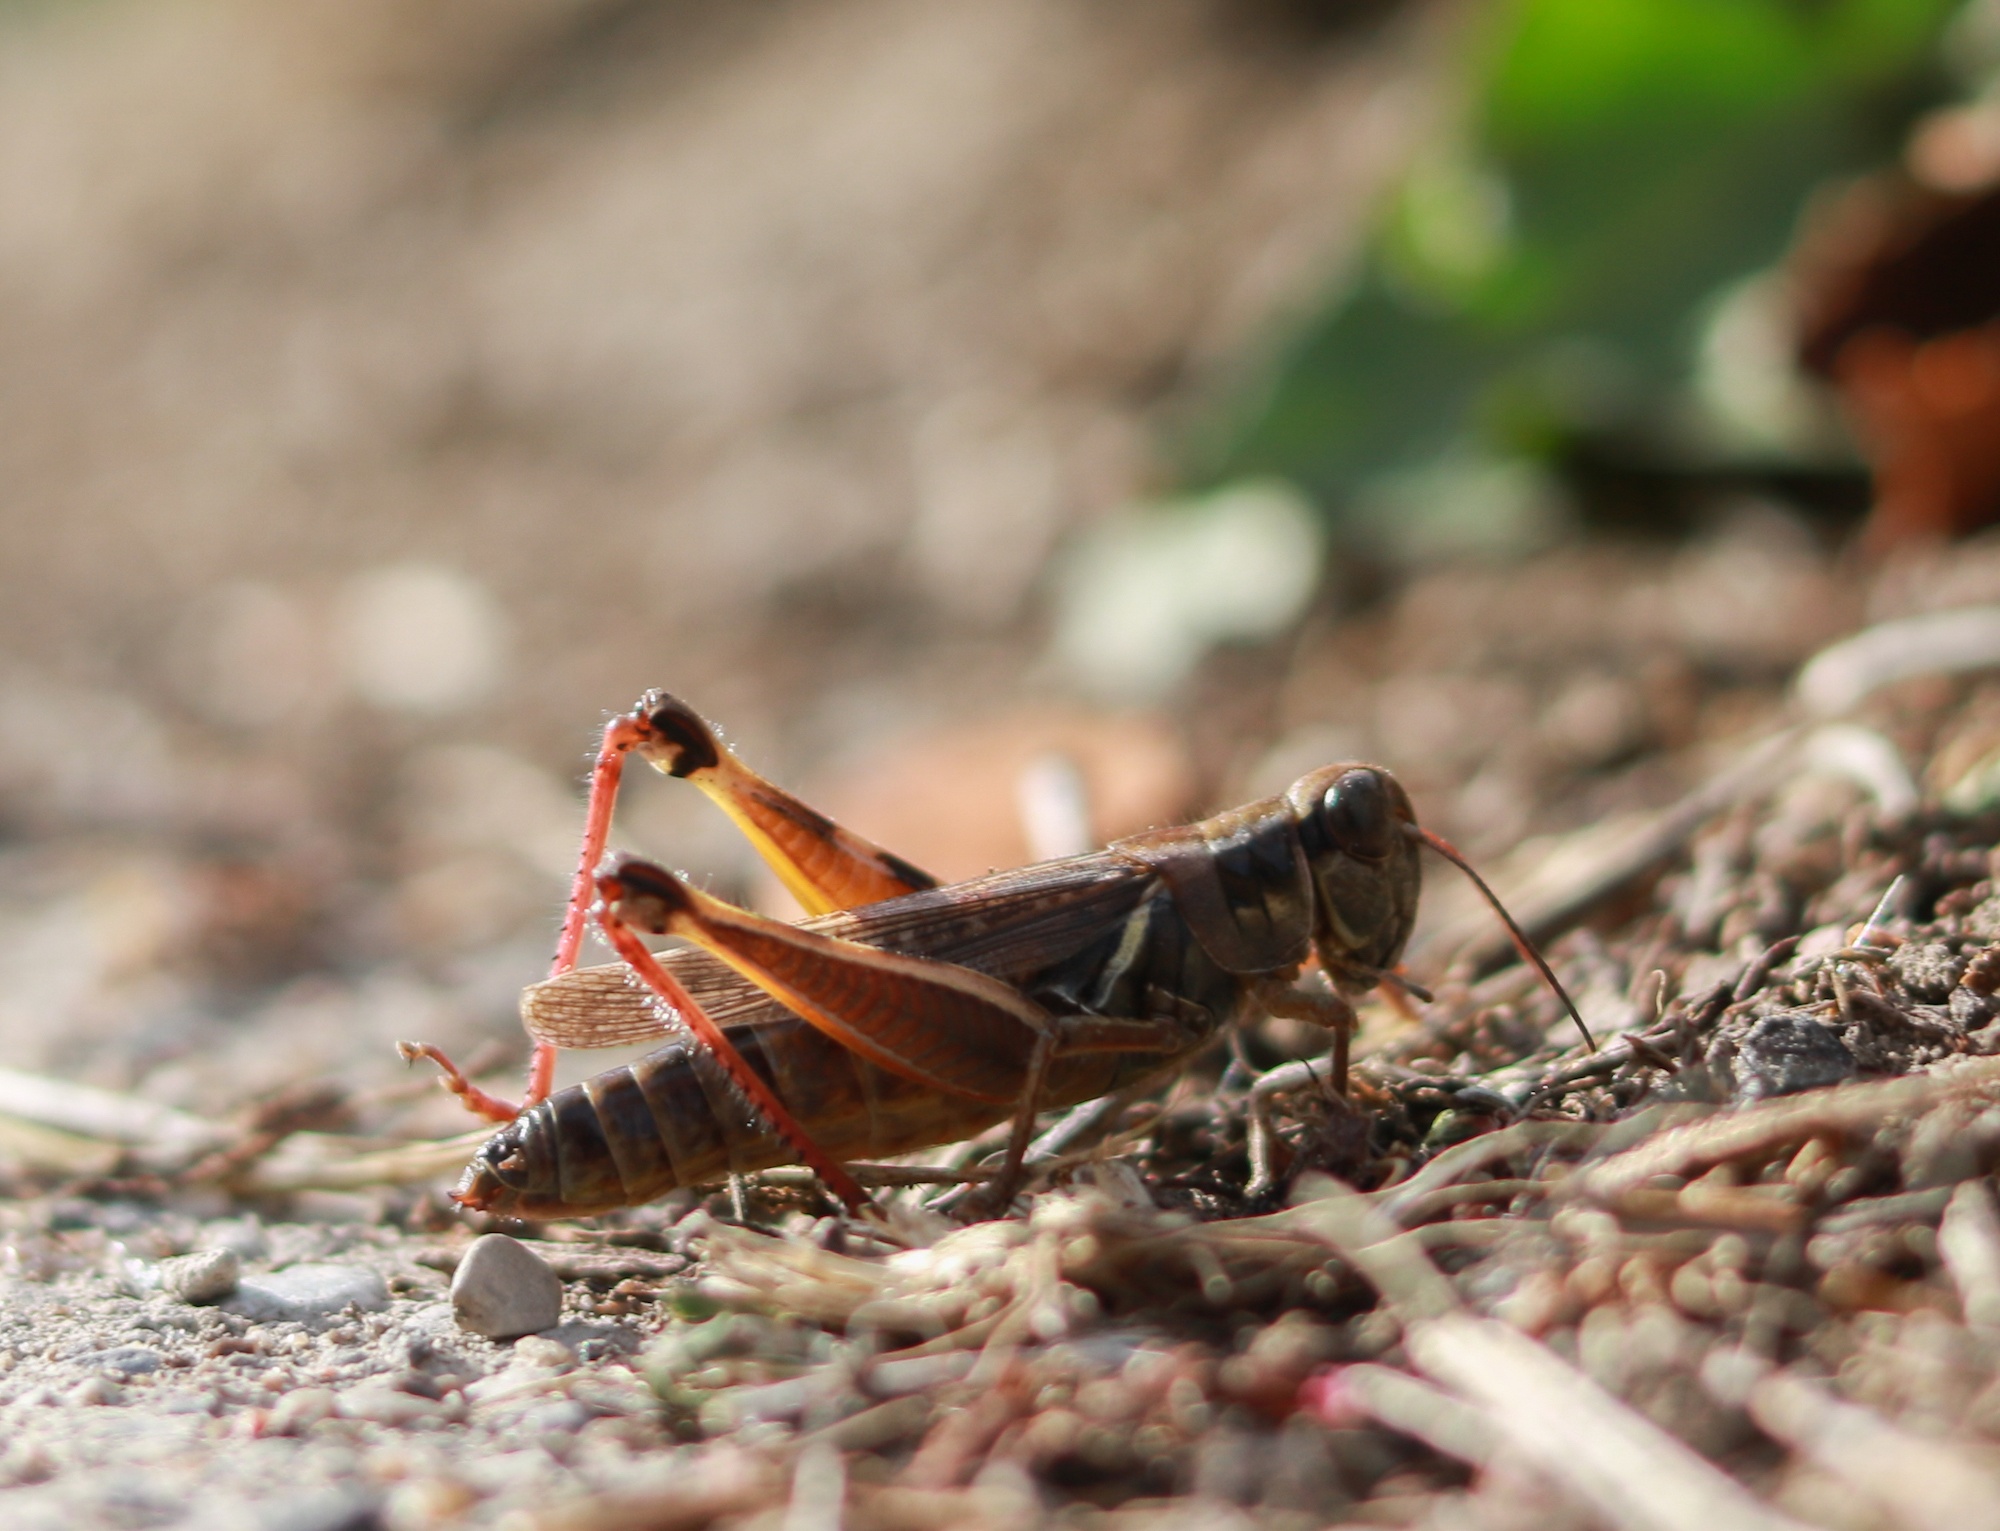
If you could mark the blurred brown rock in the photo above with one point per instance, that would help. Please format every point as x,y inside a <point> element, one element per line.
<point>952,800</point>
<point>1901,311</point>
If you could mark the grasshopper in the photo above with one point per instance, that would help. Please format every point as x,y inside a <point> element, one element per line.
<point>902,1014</point>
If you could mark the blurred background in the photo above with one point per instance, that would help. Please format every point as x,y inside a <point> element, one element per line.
<point>1014,424</point>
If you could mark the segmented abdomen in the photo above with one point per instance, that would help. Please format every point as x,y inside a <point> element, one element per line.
<point>673,1119</point>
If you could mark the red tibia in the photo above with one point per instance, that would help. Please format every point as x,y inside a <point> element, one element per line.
<point>626,943</point>
<point>620,735</point>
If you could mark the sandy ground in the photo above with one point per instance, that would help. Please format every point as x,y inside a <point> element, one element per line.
<point>387,400</point>
<point>126,1406</point>
<point>140,1410</point>
<point>388,397</point>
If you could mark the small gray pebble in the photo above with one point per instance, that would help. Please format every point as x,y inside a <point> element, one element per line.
<point>132,1360</point>
<point>1928,970</point>
<point>1970,1011</point>
<point>1789,1052</point>
<point>207,1275</point>
<point>503,1289</point>
<point>301,1292</point>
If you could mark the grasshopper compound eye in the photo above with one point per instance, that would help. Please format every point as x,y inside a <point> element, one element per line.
<point>1360,815</point>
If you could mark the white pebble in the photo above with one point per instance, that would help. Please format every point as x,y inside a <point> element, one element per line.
<point>208,1275</point>
<point>301,1292</point>
<point>503,1289</point>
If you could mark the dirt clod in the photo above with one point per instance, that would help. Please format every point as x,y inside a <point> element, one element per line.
<point>206,1276</point>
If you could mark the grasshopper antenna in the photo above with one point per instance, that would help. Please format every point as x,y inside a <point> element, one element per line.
<point>1519,937</point>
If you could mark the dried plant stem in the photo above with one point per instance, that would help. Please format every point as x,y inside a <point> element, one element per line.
<point>1631,1473</point>
<point>1769,1126</point>
<point>1921,1483</point>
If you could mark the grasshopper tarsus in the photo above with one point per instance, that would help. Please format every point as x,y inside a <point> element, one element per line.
<point>453,1078</point>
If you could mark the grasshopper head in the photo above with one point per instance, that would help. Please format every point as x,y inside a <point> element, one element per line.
<point>1362,840</point>
<point>1353,823</point>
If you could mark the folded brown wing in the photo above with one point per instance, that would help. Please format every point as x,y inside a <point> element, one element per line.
<point>1009,925</point>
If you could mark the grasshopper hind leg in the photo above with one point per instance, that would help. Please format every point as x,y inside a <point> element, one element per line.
<point>826,866</point>
<point>476,1100</point>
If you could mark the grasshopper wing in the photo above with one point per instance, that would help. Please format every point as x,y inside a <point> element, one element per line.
<point>1008,925</point>
<point>609,1007</point>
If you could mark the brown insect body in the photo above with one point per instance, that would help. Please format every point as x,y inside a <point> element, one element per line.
<point>1182,929</point>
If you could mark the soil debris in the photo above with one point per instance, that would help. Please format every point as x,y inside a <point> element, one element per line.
<point>1740,1263</point>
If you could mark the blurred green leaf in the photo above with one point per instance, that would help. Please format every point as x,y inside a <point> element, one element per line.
<point>1541,272</point>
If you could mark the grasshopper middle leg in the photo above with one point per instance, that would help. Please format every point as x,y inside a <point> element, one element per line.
<point>1069,1034</point>
<point>1320,1007</point>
